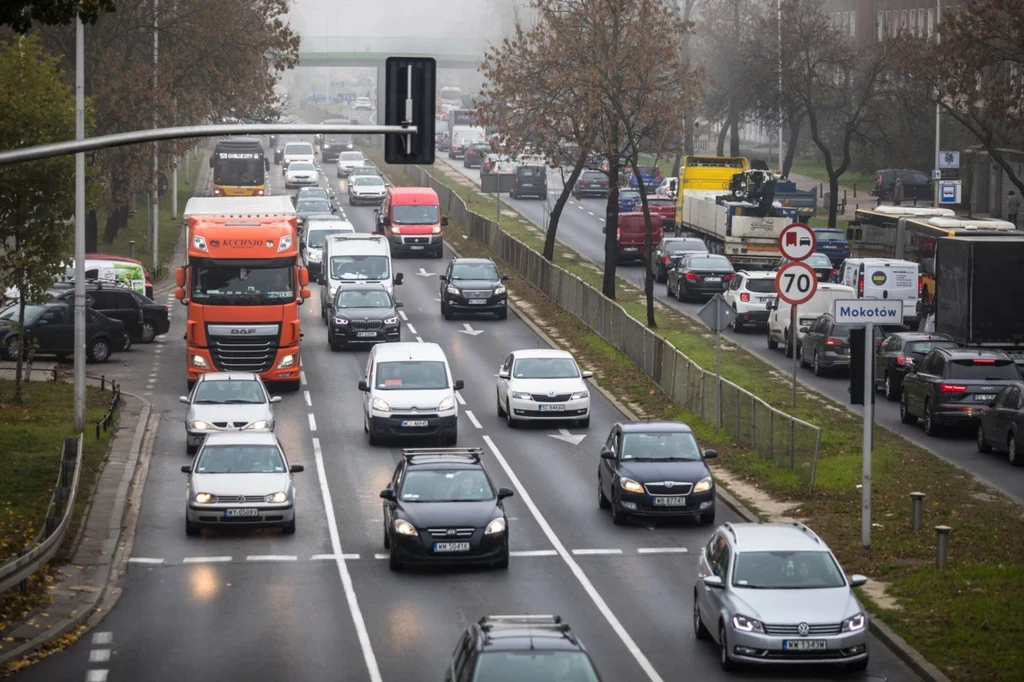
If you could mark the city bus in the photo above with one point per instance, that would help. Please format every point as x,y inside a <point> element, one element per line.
<point>239,167</point>
<point>451,95</point>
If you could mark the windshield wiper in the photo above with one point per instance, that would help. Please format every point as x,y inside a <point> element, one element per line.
<point>241,402</point>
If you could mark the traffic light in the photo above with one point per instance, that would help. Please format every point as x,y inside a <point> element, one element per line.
<point>857,350</point>
<point>418,148</point>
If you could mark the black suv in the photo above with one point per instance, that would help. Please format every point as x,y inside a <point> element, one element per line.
<point>520,648</point>
<point>119,302</point>
<point>954,386</point>
<point>475,155</point>
<point>473,285</point>
<point>530,181</point>
<point>51,328</point>
<point>826,345</point>
<point>899,353</point>
<point>362,313</point>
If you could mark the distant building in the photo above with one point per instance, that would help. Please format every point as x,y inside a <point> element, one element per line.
<point>871,20</point>
<point>990,187</point>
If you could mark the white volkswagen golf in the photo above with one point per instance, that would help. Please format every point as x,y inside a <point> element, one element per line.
<point>543,384</point>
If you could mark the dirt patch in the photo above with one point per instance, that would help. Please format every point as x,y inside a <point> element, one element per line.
<point>771,509</point>
<point>878,592</point>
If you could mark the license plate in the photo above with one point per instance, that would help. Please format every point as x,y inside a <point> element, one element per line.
<point>984,397</point>
<point>677,501</point>
<point>366,335</point>
<point>417,248</point>
<point>804,644</point>
<point>765,299</point>
<point>713,279</point>
<point>551,408</point>
<point>451,546</point>
<point>414,422</point>
<point>477,301</point>
<point>630,249</point>
<point>245,511</point>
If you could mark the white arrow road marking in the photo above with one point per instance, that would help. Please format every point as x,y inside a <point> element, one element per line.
<point>564,435</point>
<point>469,330</point>
<point>423,273</point>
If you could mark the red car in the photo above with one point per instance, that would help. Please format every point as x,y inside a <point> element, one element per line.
<point>631,238</point>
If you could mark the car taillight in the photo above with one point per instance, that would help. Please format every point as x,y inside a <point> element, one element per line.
<point>667,259</point>
<point>692,277</point>
<point>728,278</point>
<point>833,342</point>
<point>259,192</point>
<point>166,309</point>
<point>904,360</point>
<point>860,286</point>
<point>984,361</point>
<point>833,275</point>
<point>618,233</point>
<point>953,388</point>
<point>920,284</point>
<point>745,298</point>
<point>657,173</point>
<point>218,192</point>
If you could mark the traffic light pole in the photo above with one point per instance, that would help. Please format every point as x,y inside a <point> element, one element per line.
<point>869,422</point>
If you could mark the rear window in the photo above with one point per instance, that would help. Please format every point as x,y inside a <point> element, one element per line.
<point>925,346</point>
<point>717,263</point>
<point>595,175</point>
<point>685,245</point>
<point>983,369</point>
<point>761,286</point>
<point>299,148</point>
<point>528,171</point>
<point>841,331</point>
<point>660,202</point>
<point>830,235</point>
<point>648,170</point>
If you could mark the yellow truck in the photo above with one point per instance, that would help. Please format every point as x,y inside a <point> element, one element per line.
<point>706,172</point>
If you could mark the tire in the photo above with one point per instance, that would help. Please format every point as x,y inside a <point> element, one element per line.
<point>191,450</point>
<point>191,529</point>
<point>148,332</point>
<point>503,314</point>
<point>679,293</point>
<point>618,517</point>
<point>583,423</point>
<point>803,360</point>
<point>371,438</point>
<point>772,343</point>
<point>512,422</point>
<point>501,410</point>
<point>889,388</point>
<point>707,519</point>
<point>699,631</point>
<point>979,439</point>
<point>387,539</point>
<point>11,348</point>
<point>602,501</point>
<point>905,415</point>
<point>502,563</point>
<point>931,428</point>
<point>723,650</point>
<point>333,343</point>
<point>1012,454</point>
<point>99,350</point>
<point>446,312</point>
<point>393,563</point>
<point>787,347</point>
<point>818,371</point>
<point>858,666</point>
<point>323,313</point>
<point>289,528</point>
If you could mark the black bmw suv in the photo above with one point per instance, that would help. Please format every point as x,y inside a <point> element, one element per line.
<point>472,286</point>
<point>441,507</point>
<point>500,648</point>
<point>655,469</point>
<point>362,313</point>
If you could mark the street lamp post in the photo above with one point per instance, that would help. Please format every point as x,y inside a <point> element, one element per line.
<point>938,111</point>
<point>779,6</point>
<point>79,357</point>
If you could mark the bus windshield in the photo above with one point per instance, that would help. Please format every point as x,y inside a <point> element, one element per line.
<point>238,170</point>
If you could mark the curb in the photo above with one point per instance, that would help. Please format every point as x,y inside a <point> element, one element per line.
<point>105,575</point>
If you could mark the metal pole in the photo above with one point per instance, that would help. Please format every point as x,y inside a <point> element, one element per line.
<point>792,340</point>
<point>79,229</point>
<point>718,368</point>
<point>938,110</point>
<point>916,510</point>
<point>155,214</point>
<point>780,85</point>
<point>174,188</point>
<point>869,420</point>
<point>942,545</point>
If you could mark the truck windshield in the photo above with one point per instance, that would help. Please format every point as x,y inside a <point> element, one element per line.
<point>239,172</point>
<point>224,284</point>
<point>414,215</point>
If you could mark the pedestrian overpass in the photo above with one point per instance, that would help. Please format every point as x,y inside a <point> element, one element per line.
<point>450,53</point>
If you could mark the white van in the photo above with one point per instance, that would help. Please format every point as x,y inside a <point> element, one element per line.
<point>884,278</point>
<point>297,151</point>
<point>314,238</point>
<point>408,392</point>
<point>355,258</point>
<point>780,311</point>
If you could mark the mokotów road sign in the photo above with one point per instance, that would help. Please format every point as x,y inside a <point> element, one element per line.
<point>797,241</point>
<point>858,311</point>
<point>796,283</point>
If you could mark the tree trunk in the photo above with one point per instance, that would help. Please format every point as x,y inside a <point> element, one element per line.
<point>833,199</point>
<point>113,222</point>
<point>720,150</point>
<point>795,123</point>
<point>611,225</point>
<point>556,212</point>
<point>734,127</point>
<point>689,133</point>
<point>648,244</point>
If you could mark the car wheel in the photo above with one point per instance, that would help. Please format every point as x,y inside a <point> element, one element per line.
<point>191,450</point>
<point>679,292</point>
<point>446,312</point>
<point>11,350</point>
<point>857,666</point>
<point>983,445</point>
<point>503,314</point>
<point>602,501</point>
<point>501,410</point>
<point>371,438</point>
<point>334,343</point>
<point>772,343</point>
<point>708,518</point>
<point>802,357</point>
<point>699,630</point>
<point>509,419</point>
<point>503,561</point>
<point>1011,452</point>
<point>619,517</point>
<point>818,371</point>
<point>387,538</point>
<point>393,563</point>
<point>583,423</point>
<point>191,529</point>
<point>905,415</point>
<point>889,388</point>
<point>323,313</point>
<point>289,528</point>
<point>148,332</point>
<point>723,650</point>
<point>931,427</point>
<point>99,351</point>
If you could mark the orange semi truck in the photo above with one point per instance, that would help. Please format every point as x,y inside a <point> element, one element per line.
<point>243,284</point>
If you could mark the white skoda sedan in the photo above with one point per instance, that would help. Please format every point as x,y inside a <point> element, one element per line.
<point>543,384</point>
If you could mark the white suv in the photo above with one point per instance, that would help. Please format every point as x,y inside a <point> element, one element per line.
<point>749,295</point>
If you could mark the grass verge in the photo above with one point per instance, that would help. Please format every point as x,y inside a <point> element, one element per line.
<point>30,450</point>
<point>968,619</point>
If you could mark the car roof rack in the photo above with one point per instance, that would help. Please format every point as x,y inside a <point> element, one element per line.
<point>472,454</point>
<point>807,531</point>
<point>552,622</point>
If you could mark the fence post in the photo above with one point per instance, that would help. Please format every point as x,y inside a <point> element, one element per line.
<point>737,404</point>
<point>792,444</point>
<point>753,423</point>
<point>703,375</point>
<point>103,382</point>
<point>771,433</point>
<point>814,462</point>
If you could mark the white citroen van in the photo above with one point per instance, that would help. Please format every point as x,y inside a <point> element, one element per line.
<point>820,303</point>
<point>362,258</point>
<point>887,279</point>
<point>409,393</point>
<point>297,151</point>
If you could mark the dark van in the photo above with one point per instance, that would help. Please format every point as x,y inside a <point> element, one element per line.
<point>631,235</point>
<point>530,181</point>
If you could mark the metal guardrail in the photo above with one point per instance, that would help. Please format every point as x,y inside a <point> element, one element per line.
<point>58,520</point>
<point>789,442</point>
<point>392,46</point>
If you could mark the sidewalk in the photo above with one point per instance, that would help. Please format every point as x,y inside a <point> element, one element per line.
<point>84,586</point>
<point>862,200</point>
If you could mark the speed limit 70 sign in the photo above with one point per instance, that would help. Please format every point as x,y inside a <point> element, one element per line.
<point>796,283</point>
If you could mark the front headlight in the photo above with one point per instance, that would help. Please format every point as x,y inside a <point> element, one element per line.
<point>380,405</point>
<point>631,486</point>
<point>453,290</point>
<point>199,362</point>
<point>494,527</point>
<point>261,424</point>
<point>205,498</point>
<point>286,362</point>
<point>340,320</point>
<point>333,290</point>
<point>403,527</point>
<point>519,395</point>
<point>395,229</point>
<point>580,395</point>
<point>703,485</point>
<point>277,498</point>
<point>744,624</point>
<point>436,229</point>
<point>391,320</point>
<point>855,623</point>
<point>201,426</point>
<point>315,256</point>
<point>499,290</point>
<point>446,404</point>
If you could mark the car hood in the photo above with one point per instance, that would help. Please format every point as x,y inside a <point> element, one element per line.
<point>797,606</point>
<point>239,484</point>
<point>474,283</point>
<point>425,400</point>
<point>366,313</point>
<point>229,413</point>
<point>448,514</point>
<point>543,386</point>
<point>647,472</point>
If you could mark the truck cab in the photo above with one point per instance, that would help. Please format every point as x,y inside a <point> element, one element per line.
<point>410,217</point>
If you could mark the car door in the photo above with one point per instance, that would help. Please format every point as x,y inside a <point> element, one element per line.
<point>705,567</point>
<point>884,356</point>
<point>1014,415</point>
<point>391,505</point>
<point>503,383</point>
<point>930,373</point>
<point>609,466</point>
<point>368,395</point>
<point>813,336</point>
<point>52,331</point>
<point>442,281</point>
<point>731,291</point>
<point>457,669</point>
<point>126,309</point>
<point>995,420</point>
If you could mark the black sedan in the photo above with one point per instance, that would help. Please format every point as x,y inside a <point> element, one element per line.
<point>441,507</point>
<point>156,318</point>
<point>475,155</point>
<point>591,183</point>
<point>825,346</point>
<point>473,286</point>
<point>899,354</point>
<point>655,469</point>
<point>670,250</point>
<point>50,328</point>
<point>819,262</point>
<point>362,313</point>
<point>1001,424</point>
<point>699,274</point>
<point>307,207</point>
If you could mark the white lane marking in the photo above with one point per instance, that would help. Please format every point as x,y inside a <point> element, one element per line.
<point>588,586</point>
<point>96,676</point>
<point>412,329</point>
<point>535,552</point>
<point>458,396</point>
<point>302,377</point>
<point>346,578</point>
<point>206,560</point>
<point>580,208</point>
<point>145,560</point>
<point>102,637</point>
<point>380,556</point>
<point>331,557</point>
<point>662,550</point>
<point>595,552</point>
<point>309,401</point>
<point>472,418</point>
<point>312,422</point>
<point>401,314</point>
<point>590,213</point>
<point>99,655</point>
<point>271,557</point>
<point>419,340</point>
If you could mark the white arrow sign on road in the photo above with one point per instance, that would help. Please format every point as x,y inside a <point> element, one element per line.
<point>564,435</point>
<point>423,273</point>
<point>469,330</point>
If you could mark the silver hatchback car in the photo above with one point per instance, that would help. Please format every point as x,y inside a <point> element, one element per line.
<point>240,480</point>
<point>774,593</point>
<point>227,401</point>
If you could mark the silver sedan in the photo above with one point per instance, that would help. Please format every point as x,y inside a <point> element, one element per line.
<point>227,401</point>
<point>240,480</point>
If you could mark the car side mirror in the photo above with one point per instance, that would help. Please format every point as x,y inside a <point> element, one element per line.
<point>710,454</point>
<point>459,384</point>
<point>399,304</point>
<point>444,221</point>
<point>504,493</point>
<point>186,468</point>
<point>587,374</point>
<point>713,581</point>
<point>183,399</point>
<point>364,387</point>
<point>803,330</point>
<point>275,399</point>
<point>387,494</point>
<point>505,278</point>
<point>503,374</point>
<point>399,278</point>
<point>607,453</point>
<point>858,580</point>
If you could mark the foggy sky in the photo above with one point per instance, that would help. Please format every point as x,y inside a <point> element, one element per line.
<point>401,18</point>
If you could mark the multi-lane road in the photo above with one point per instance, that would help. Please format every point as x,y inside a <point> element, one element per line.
<point>580,229</point>
<point>322,604</point>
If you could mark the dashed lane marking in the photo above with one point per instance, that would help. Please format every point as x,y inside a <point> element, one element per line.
<point>206,560</point>
<point>380,556</point>
<point>96,676</point>
<point>99,655</point>
<point>662,550</point>
<point>401,314</point>
<point>271,557</point>
<point>145,560</point>
<point>333,557</point>
<point>412,329</point>
<point>309,401</point>
<point>419,340</point>
<point>472,418</point>
<point>458,396</point>
<point>302,377</point>
<point>595,552</point>
<point>312,422</point>
<point>534,553</point>
<point>590,213</point>
<point>102,638</point>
